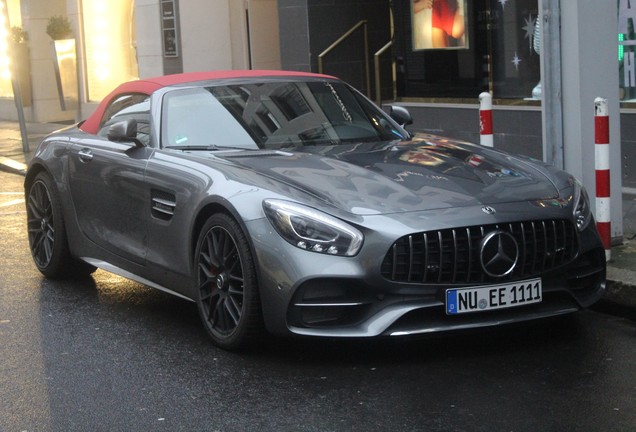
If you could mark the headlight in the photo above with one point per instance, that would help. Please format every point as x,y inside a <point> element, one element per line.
<point>582,210</point>
<point>312,230</point>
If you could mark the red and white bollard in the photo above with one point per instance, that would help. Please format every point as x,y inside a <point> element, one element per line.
<point>602,165</point>
<point>485,120</point>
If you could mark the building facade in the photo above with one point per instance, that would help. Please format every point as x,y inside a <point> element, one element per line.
<point>434,57</point>
<point>119,40</point>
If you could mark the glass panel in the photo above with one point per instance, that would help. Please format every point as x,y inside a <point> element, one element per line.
<point>272,115</point>
<point>12,14</point>
<point>129,107</point>
<point>439,24</point>
<point>626,50</point>
<point>110,41</point>
<point>515,62</point>
<point>194,117</point>
<point>493,50</point>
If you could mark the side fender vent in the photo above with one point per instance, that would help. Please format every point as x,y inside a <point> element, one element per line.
<point>163,204</point>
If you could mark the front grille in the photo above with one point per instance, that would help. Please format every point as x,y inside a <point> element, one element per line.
<point>451,256</point>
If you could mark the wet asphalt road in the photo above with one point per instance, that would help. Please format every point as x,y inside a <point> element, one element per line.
<point>106,354</point>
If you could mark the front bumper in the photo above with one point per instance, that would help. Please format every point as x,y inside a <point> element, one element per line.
<point>312,294</point>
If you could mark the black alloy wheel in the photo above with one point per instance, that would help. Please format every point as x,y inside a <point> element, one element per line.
<point>47,236</point>
<point>47,233</point>
<point>227,293</point>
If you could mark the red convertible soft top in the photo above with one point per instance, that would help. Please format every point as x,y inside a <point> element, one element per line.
<point>150,85</point>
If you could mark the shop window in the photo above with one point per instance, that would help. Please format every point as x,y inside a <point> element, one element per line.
<point>10,23</point>
<point>627,50</point>
<point>110,45</point>
<point>459,48</point>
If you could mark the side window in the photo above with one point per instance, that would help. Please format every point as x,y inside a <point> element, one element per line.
<point>132,106</point>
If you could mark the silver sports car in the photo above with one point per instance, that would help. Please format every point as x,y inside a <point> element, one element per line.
<point>288,202</point>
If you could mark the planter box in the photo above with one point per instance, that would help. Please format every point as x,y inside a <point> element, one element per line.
<point>65,64</point>
<point>21,71</point>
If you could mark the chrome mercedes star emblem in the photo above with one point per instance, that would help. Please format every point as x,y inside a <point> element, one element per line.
<point>220,282</point>
<point>488,210</point>
<point>499,253</point>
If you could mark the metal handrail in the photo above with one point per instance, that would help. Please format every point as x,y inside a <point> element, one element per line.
<point>340,40</point>
<point>376,63</point>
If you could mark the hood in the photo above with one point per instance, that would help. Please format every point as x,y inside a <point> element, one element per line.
<point>425,174</point>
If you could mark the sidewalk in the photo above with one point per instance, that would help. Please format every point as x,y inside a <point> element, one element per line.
<point>621,270</point>
<point>12,157</point>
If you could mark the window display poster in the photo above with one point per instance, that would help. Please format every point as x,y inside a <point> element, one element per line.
<point>439,24</point>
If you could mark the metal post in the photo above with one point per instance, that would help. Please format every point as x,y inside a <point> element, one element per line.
<point>552,106</point>
<point>589,68</point>
<point>378,81</point>
<point>17,95</point>
<point>342,38</point>
<point>366,60</point>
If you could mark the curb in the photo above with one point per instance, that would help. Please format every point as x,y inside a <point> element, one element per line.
<point>620,287</point>
<point>13,166</point>
<point>617,301</point>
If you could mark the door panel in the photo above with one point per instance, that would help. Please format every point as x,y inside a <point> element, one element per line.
<point>107,187</point>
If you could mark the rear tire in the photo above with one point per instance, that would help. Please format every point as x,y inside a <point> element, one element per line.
<point>227,290</point>
<point>47,232</point>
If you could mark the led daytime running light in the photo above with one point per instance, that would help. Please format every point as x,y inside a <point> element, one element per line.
<point>312,230</point>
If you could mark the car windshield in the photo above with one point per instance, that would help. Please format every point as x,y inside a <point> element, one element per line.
<point>272,115</point>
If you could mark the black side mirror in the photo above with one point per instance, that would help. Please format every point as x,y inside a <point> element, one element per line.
<point>124,131</point>
<point>401,115</point>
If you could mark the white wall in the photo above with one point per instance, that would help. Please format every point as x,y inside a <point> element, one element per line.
<point>148,29</point>
<point>205,34</point>
<point>264,34</point>
<point>238,35</point>
<point>589,53</point>
<point>264,43</point>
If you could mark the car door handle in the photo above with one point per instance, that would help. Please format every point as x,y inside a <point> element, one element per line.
<point>85,155</point>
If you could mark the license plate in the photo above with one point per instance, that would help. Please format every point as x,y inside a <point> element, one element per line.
<point>477,299</point>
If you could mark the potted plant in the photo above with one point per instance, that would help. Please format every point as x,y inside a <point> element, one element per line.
<point>59,27</point>
<point>18,36</point>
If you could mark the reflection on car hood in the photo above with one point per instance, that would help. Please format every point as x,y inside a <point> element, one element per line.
<point>424,174</point>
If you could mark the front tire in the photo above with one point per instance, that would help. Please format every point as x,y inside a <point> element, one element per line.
<point>227,292</point>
